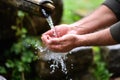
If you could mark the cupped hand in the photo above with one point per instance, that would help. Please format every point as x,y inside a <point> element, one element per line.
<point>63,42</point>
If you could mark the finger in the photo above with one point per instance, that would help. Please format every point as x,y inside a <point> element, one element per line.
<point>45,39</point>
<point>56,48</point>
<point>59,48</point>
<point>50,33</point>
<point>55,41</point>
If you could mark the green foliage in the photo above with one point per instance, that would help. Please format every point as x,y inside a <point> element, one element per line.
<point>24,56</point>
<point>2,70</point>
<point>69,14</point>
<point>20,56</point>
<point>100,71</point>
<point>75,10</point>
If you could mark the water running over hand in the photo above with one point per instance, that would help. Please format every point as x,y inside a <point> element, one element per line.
<point>57,58</point>
<point>50,22</point>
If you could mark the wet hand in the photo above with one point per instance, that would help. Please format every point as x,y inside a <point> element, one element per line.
<point>65,37</point>
<point>61,44</point>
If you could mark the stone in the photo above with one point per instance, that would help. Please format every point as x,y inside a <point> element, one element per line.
<point>77,63</point>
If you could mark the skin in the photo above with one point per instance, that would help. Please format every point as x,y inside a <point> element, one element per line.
<point>93,30</point>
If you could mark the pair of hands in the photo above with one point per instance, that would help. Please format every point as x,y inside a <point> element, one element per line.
<point>92,28</point>
<point>66,38</point>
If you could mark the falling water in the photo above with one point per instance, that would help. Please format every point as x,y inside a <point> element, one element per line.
<point>50,22</point>
<point>56,58</point>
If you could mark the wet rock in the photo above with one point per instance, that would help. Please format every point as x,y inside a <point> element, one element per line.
<point>113,60</point>
<point>77,64</point>
<point>111,56</point>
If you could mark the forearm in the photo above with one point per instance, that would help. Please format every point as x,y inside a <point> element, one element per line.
<point>99,19</point>
<point>99,38</point>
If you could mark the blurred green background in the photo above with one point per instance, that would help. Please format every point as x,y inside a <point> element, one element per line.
<point>20,66</point>
<point>75,9</point>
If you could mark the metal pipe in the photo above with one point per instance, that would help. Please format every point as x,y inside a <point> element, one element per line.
<point>32,6</point>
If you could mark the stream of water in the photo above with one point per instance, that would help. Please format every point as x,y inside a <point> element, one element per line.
<point>56,58</point>
<point>50,22</point>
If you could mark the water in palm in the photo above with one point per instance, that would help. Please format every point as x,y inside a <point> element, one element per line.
<point>56,58</point>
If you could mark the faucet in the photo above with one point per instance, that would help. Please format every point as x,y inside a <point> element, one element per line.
<point>32,6</point>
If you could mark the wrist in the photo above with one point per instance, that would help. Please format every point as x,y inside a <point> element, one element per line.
<point>73,29</point>
<point>81,41</point>
<point>78,28</point>
<point>99,38</point>
<point>84,26</point>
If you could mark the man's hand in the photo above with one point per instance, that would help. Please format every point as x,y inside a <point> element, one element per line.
<point>69,36</point>
<point>63,42</point>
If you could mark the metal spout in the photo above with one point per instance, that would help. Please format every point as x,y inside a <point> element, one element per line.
<point>49,6</point>
<point>32,6</point>
<point>46,4</point>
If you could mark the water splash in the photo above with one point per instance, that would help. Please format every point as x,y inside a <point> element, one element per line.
<point>56,58</point>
